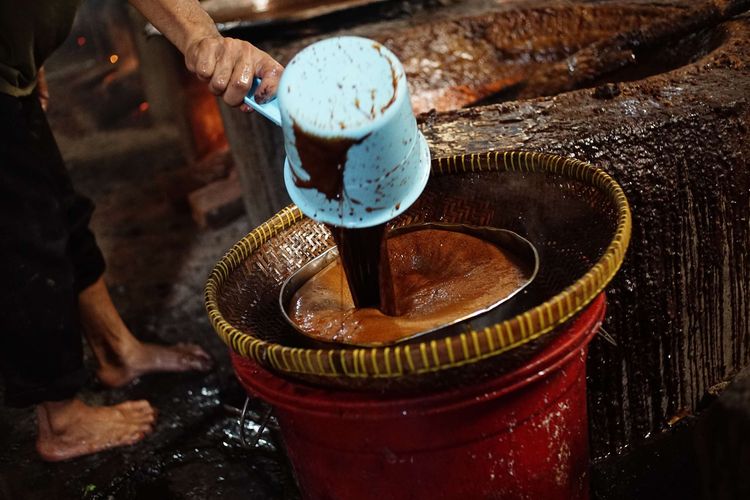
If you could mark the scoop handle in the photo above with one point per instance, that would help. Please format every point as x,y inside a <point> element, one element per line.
<point>269,109</point>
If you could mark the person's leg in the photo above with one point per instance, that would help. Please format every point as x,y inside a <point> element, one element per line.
<point>40,342</point>
<point>121,356</point>
<point>71,428</point>
<point>41,356</point>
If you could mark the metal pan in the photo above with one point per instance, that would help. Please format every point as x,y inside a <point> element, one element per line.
<point>520,248</point>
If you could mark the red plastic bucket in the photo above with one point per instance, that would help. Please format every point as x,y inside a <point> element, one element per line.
<point>521,435</point>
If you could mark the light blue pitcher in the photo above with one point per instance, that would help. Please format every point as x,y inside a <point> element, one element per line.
<point>343,103</point>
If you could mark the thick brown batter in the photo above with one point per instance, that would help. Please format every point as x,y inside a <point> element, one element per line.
<point>438,276</point>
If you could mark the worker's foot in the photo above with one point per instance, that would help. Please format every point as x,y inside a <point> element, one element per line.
<point>142,358</point>
<point>123,358</point>
<point>71,428</point>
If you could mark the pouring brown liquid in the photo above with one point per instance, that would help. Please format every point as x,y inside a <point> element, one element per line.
<point>437,276</point>
<point>360,251</point>
<point>324,160</point>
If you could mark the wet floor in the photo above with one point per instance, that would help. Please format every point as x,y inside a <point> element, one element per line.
<point>157,265</point>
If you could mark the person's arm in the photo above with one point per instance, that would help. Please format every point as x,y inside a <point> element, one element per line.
<point>228,64</point>
<point>42,90</point>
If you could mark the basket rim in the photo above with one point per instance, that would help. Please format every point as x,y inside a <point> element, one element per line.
<point>453,351</point>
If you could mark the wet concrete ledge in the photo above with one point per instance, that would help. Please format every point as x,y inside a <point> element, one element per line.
<point>678,144</point>
<point>701,456</point>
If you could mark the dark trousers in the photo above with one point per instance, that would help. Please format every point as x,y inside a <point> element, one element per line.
<point>47,256</point>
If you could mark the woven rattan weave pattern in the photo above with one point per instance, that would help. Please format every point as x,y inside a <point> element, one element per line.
<point>573,213</point>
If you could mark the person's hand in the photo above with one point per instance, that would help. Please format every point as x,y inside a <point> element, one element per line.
<point>229,65</point>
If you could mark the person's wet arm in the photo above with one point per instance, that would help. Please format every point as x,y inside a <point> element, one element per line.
<point>227,64</point>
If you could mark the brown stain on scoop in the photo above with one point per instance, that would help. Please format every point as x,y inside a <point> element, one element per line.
<point>324,160</point>
<point>394,78</point>
<point>394,81</point>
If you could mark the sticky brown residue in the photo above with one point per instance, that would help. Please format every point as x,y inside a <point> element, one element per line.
<point>324,160</point>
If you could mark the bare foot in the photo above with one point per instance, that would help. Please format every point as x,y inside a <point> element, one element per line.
<point>71,428</point>
<point>143,358</point>
<point>123,358</point>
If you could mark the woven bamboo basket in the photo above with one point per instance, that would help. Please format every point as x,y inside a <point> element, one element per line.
<point>575,215</point>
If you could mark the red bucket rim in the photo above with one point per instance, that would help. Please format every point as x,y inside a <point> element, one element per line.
<point>298,397</point>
